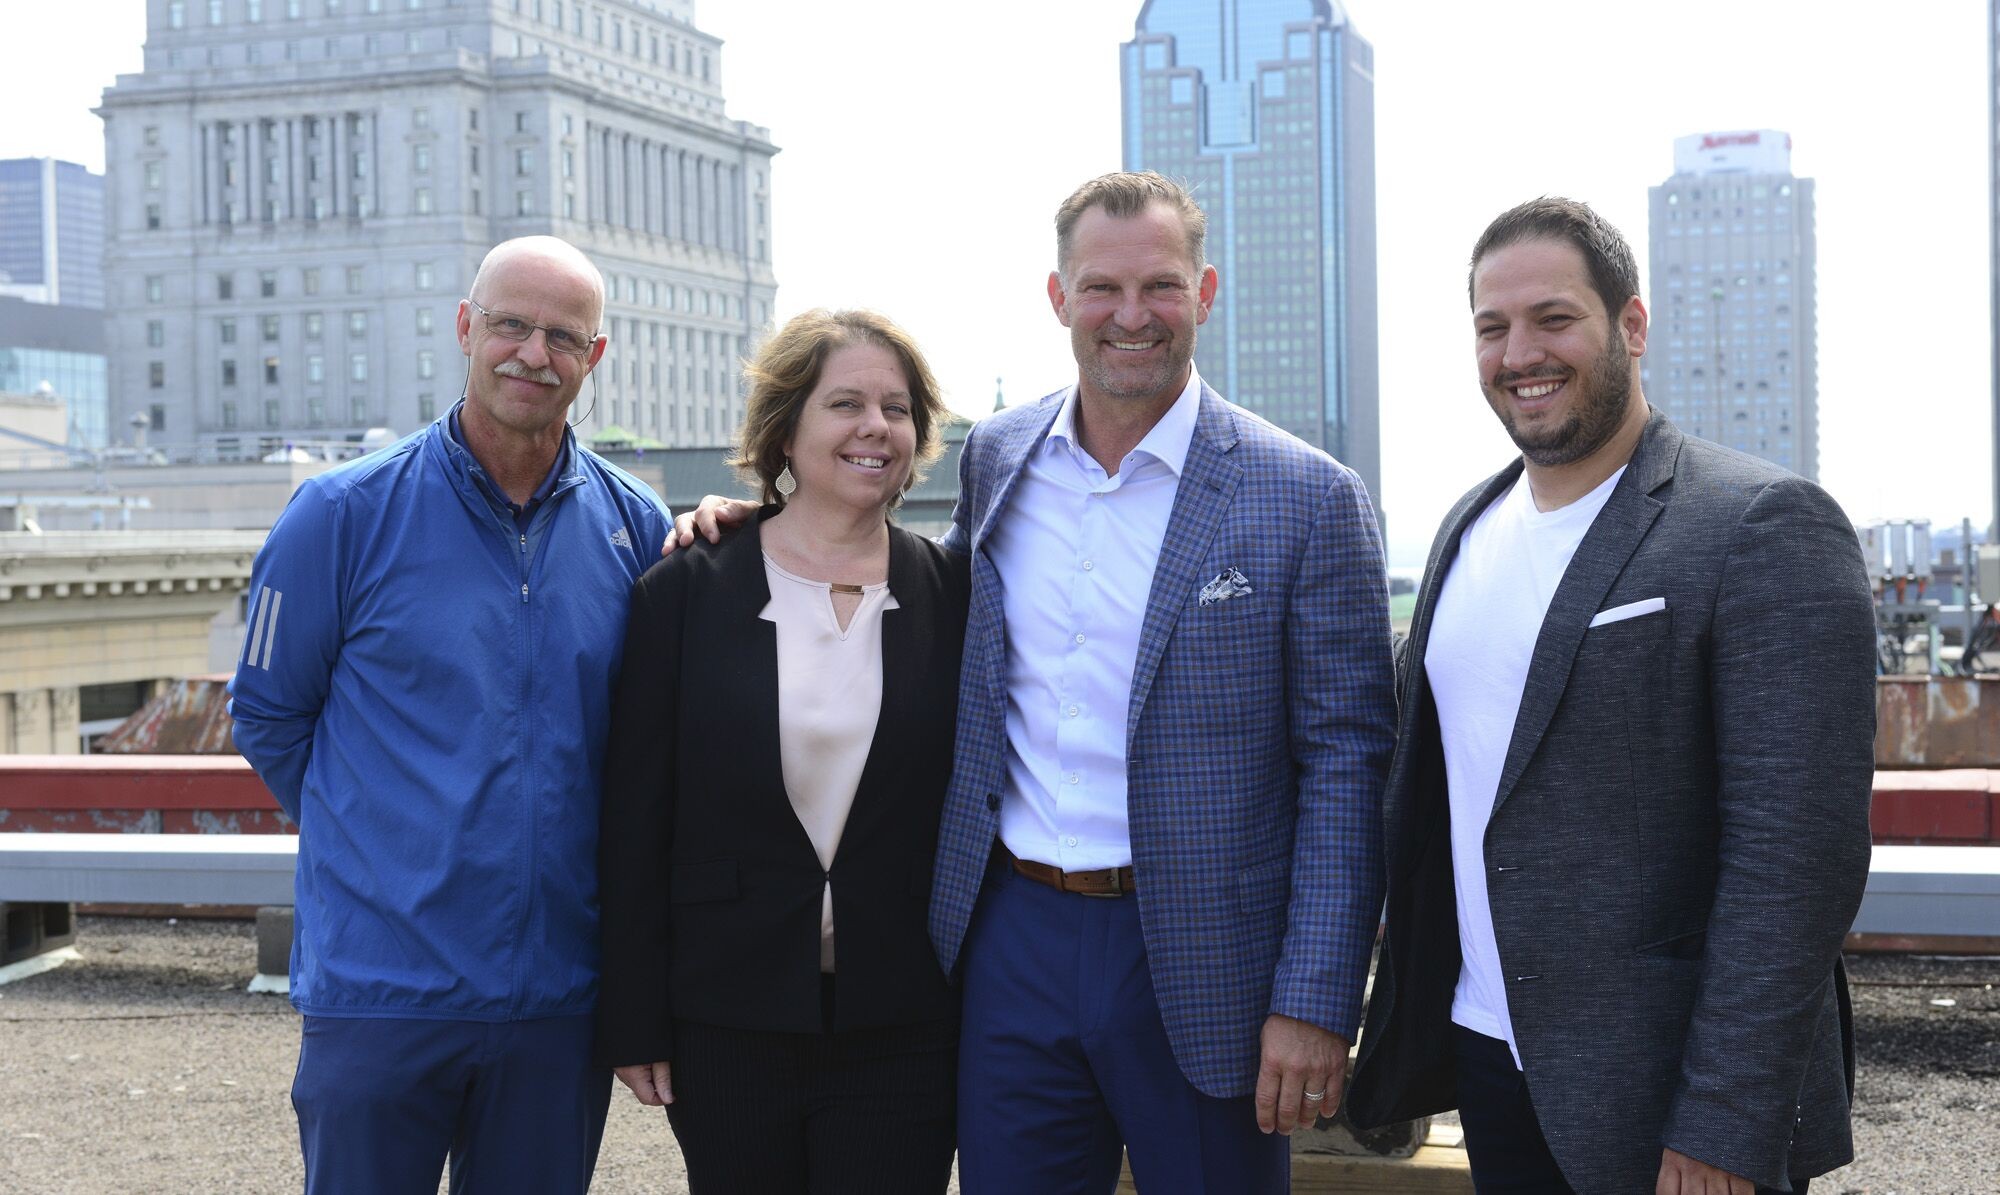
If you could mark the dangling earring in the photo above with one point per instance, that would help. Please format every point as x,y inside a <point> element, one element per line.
<point>785,483</point>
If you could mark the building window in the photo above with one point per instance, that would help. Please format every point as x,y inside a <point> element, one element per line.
<point>309,279</point>
<point>357,323</point>
<point>315,412</point>
<point>426,408</point>
<point>269,324</point>
<point>156,333</point>
<point>155,287</point>
<point>152,136</point>
<point>228,416</point>
<point>315,324</point>
<point>152,217</point>
<point>354,280</point>
<point>152,176</point>
<point>568,125</point>
<point>425,275</point>
<point>229,371</point>
<point>270,412</point>
<point>568,164</point>
<point>524,203</point>
<point>477,206</point>
<point>420,117</point>
<point>156,375</point>
<point>225,330</point>
<point>569,207</point>
<point>270,371</point>
<point>357,410</point>
<point>425,318</point>
<point>475,159</point>
<point>267,283</point>
<point>177,14</point>
<point>520,122</point>
<point>357,367</point>
<point>524,161</point>
<point>426,364</point>
<point>156,417</point>
<point>422,201</point>
<point>315,368</point>
<point>420,159</point>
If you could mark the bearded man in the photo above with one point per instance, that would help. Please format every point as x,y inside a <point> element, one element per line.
<point>1627,820</point>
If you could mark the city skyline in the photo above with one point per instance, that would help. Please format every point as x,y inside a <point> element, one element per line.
<point>284,266</point>
<point>925,149</point>
<point>1266,111</point>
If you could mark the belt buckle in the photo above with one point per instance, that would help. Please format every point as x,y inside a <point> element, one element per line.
<point>1117,888</point>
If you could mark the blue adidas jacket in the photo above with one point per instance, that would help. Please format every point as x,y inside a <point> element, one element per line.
<point>426,690</point>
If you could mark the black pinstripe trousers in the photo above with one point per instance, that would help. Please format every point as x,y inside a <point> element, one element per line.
<point>863,1111</point>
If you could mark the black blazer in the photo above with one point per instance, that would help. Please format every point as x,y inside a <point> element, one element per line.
<point>710,888</point>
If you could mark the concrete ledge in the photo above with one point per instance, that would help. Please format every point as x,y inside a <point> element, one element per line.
<point>1932,890</point>
<point>1433,1170</point>
<point>219,869</point>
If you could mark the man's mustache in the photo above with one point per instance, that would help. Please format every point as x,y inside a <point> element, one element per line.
<point>514,369</point>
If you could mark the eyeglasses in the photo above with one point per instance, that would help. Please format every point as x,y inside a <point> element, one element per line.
<point>509,326</point>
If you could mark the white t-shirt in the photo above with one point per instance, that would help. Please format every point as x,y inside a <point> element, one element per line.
<point>1489,614</point>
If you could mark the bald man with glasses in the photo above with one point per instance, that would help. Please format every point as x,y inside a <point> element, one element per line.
<point>425,686</point>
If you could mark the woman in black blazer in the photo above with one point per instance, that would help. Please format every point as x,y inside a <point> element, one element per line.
<point>772,792</point>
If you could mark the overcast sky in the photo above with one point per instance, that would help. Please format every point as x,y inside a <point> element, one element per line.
<point>926,145</point>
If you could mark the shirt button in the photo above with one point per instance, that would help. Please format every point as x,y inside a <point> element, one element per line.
<point>993,801</point>
<point>1079,637</point>
<point>1087,566</point>
<point>1073,778</point>
<point>1073,711</point>
<point>1070,841</point>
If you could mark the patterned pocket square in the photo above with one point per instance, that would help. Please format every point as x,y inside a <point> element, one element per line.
<point>1228,584</point>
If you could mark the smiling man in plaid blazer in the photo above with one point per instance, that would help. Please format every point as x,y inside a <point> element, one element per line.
<point>1158,874</point>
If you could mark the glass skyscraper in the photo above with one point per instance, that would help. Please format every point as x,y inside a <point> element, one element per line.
<point>51,232</point>
<point>1266,110</point>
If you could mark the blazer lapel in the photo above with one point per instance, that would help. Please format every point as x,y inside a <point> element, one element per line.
<point>1606,547</point>
<point>1416,682</point>
<point>987,620</point>
<point>747,592</point>
<point>1010,457</point>
<point>1208,482</point>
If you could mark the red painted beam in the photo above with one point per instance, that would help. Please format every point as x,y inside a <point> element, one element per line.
<point>56,782</point>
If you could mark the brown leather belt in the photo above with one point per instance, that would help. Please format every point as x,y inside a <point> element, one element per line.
<point>1111,881</point>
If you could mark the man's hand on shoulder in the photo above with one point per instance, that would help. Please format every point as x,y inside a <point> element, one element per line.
<point>709,520</point>
<point>1682,1175</point>
<point>1300,1061</point>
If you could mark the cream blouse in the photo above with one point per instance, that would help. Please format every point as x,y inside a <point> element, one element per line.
<point>829,696</point>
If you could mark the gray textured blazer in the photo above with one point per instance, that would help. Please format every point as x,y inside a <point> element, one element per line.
<point>1679,841</point>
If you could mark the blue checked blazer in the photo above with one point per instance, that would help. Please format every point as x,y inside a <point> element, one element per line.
<point>1258,740</point>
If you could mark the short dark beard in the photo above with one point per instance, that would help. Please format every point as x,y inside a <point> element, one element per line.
<point>1606,393</point>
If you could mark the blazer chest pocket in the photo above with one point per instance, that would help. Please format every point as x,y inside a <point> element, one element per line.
<point>698,883</point>
<point>1629,656</point>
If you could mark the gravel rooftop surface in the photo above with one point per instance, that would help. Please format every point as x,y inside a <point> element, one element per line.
<point>145,1067</point>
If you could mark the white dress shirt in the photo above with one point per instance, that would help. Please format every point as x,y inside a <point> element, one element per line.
<point>1075,550</point>
<point>1489,615</point>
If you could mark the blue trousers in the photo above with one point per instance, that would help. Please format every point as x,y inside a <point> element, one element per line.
<point>516,1106</point>
<point>1063,1060</point>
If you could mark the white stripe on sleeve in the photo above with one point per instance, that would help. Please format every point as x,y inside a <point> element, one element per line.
<point>271,631</point>
<point>257,617</point>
